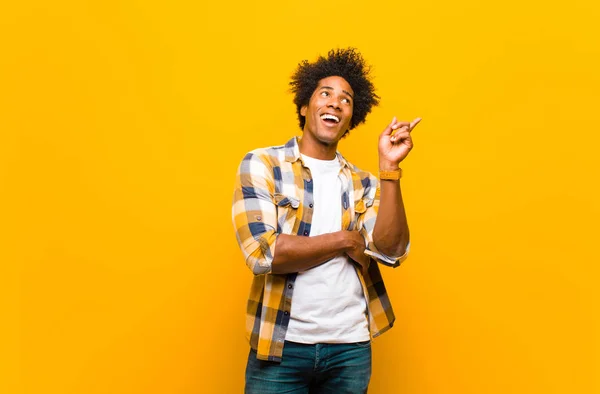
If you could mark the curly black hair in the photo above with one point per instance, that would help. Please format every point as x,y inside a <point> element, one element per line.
<point>346,63</point>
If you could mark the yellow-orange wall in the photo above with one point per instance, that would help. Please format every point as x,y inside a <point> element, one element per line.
<point>122,124</point>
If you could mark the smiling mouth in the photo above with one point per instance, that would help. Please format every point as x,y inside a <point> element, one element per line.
<point>330,119</point>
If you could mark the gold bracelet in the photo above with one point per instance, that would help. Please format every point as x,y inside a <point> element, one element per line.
<point>391,175</point>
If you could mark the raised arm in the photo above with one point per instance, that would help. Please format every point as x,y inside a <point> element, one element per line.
<point>391,235</point>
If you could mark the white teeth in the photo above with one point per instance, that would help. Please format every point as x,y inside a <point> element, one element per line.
<point>332,117</point>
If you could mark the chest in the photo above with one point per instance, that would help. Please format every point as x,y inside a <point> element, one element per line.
<point>330,201</point>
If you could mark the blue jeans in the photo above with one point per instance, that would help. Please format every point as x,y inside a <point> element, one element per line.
<point>322,368</point>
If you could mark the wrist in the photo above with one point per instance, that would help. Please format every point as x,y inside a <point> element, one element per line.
<point>388,166</point>
<point>347,242</point>
<point>342,240</point>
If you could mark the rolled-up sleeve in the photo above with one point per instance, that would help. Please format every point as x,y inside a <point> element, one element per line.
<point>254,213</point>
<point>366,224</point>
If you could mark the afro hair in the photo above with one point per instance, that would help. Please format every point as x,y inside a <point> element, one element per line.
<point>346,63</point>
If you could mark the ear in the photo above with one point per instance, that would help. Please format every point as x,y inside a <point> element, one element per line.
<point>303,110</point>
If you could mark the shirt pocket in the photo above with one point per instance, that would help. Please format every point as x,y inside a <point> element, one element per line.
<point>287,212</point>
<point>360,207</point>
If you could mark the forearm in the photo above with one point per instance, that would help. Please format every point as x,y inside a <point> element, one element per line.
<point>294,253</point>
<point>391,234</point>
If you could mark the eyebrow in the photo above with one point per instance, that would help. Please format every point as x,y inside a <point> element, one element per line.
<point>330,88</point>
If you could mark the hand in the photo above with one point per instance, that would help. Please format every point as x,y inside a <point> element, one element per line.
<point>394,148</point>
<point>356,250</point>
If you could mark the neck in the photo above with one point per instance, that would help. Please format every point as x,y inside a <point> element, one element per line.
<point>317,149</point>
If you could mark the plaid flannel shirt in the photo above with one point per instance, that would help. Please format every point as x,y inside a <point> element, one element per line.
<point>274,195</point>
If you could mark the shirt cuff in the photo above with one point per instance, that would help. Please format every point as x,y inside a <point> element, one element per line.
<point>260,261</point>
<point>384,259</point>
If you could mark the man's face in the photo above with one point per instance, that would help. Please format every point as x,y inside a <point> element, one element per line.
<point>329,111</point>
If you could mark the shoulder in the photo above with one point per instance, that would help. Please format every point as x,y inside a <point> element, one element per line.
<point>367,179</point>
<point>260,159</point>
<point>268,153</point>
<point>365,184</point>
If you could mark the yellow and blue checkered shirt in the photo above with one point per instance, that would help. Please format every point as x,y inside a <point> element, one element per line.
<point>274,195</point>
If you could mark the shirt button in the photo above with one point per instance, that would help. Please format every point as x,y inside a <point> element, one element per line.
<point>286,313</point>
<point>305,232</point>
<point>290,286</point>
<point>310,205</point>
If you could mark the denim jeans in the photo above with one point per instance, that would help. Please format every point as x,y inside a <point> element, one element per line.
<point>322,368</point>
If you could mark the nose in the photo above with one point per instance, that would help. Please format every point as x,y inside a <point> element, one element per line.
<point>334,102</point>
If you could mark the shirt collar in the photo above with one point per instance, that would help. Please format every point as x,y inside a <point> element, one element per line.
<point>292,153</point>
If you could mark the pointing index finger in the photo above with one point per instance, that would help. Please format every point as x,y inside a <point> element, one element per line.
<point>414,123</point>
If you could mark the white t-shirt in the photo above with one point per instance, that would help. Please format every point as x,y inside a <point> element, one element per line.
<point>328,305</point>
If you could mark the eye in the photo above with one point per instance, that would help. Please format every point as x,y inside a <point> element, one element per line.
<point>346,101</point>
<point>324,93</point>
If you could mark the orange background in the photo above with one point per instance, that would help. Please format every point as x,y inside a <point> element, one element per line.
<point>122,124</point>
